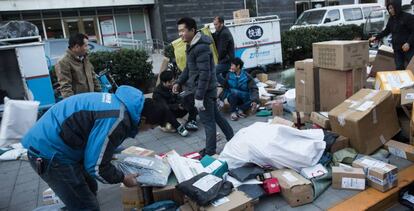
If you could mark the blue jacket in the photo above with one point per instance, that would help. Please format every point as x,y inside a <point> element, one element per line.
<point>86,129</point>
<point>244,82</point>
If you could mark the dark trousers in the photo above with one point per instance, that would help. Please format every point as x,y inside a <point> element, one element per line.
<point>239,100</point>
<point>402,58</point>
<point>209,117</point>
<point>188,104</point>
<point>221,72</point>
<point>74,186</point>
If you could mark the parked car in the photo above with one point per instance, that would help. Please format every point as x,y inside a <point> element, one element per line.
<point>56,48</point>
<point>341,15</point>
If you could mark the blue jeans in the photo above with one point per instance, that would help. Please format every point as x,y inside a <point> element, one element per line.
<point>239,100</point>
<point>209,117</point>
<point>402,58</point>
<point>74,186</point>
<point>221,72</point>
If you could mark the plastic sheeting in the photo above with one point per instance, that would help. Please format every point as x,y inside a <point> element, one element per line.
<point>274,145</point>
<point>16,29</point>
<point>151,171</point>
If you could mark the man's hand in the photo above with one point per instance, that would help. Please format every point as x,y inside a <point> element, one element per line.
<point>176,88</point>
<point>199,104</point>
<point>372,39</point>
<point>406,47</point>
<point>130,180</point>
<point>253,107</point>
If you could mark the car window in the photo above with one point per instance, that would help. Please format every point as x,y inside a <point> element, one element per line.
<point>332,16</point>
<point>353,14</point>
<point>311,17</point>
<point>372,12</point>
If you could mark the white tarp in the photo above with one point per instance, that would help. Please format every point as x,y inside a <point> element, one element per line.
<point>275,145</point>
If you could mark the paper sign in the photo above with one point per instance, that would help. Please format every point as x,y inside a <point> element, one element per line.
<point>397,152</point>
<point>213,166</point>
<point>221,201</point>
<point>353,183</point>
<point>365,106</point>
<point>207,182</point>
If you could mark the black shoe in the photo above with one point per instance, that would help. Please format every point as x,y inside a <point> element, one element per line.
<point>191,125</point>
<point>182,131</point>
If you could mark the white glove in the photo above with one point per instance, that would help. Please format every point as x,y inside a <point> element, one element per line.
<point>199,104</point>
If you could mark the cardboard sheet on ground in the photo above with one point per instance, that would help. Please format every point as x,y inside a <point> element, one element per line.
<point>275,145</point>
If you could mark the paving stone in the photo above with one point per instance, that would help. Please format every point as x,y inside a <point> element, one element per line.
<point>307,207</point>
<point>327,200</point>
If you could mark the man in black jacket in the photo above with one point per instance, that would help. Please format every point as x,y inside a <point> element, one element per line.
<point>225,48</point>
<point>177,107</point>
<point>199,79</point>
<point>401,27</point>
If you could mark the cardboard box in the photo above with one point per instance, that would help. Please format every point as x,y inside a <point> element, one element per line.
<point>370,84</point>
<point>368,119</point>
<point>241,16</point>
<point>381,176</point>
<point>186,207</point>
<point>277,108</point>
<point>412,128</point>
<point>337,86</point>
<point>307,86</point>
<point>384,60</point>
<point>263,77</point>
<point>321,119</point>
<point>341,54</point>
<point>341,142</point>
<point>134,150</point>
<point>281,121</point>
<point>348,178</point>
<point>407,95</point>
<point>169,192</point>
<point>401,150</point>
<point>236,201</point>
<point>214,166</point>
<point>394,81</point>
<point>132,197</point>
<point>49,197</point>
<point>296,190</point>
<point>410,65</point>
<point>300,117</point>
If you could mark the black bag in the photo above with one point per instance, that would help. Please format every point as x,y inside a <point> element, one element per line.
<point>203,198</point>
<point>246,172</point>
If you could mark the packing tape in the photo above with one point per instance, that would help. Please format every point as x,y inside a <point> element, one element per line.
<point>355,104</point>
<point>374,116</point>
<point>382,139</point>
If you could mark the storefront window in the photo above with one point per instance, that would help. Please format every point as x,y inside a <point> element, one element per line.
<point>39,25</point>
<point>54,29</point>
<point>138,26</point>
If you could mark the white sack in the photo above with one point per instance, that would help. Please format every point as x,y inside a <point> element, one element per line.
<point>276,145</point>
<point>18,117</point>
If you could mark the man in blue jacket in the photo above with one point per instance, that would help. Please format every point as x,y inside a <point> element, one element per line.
<point>240,90</point>
<point>199,79</point>
<point>72,144</point>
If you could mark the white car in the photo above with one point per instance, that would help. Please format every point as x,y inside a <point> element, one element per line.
<point>341,15</point>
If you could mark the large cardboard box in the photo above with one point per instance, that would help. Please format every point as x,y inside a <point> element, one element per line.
<point>394,81</point>
<point>410,65</point>
<point>384,60</point>
<point>169,192</point>
<point>337,86</point>
<point>348,178</point>
<point>381,176</point>
<point>132,198</point>
<point>236,201</point>
<point>368,119</point>
<point>138,151</point>
<point>307,86</point>
<point>296,190</point>
<point>321,119</point>
<point>341,54</point>
<point>401,150</point>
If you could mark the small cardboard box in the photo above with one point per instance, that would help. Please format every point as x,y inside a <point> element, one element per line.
<point>134,150</point>
<point>321,119</point>
<point>307,86</point>
<point>236,201</point>
<point>410,65</point>
<point>381,176</point>
<point>337,86</point>
<point>132,198</point>
<point>370,84</point>
<point>214,166</point>
<point>340,54</point>
<point>263,77</point>
<point>169,192</point>
<point>368,119</point>
<point>277,108</point>
<point>296,190</point>
<point>49,197</point>
<point>384,60</point>
<point>407,95</point>
<point>341,142</point>
<point>281,121</point>
<point>401,150</point>
<point>394,81</point>
<point>348,178</point>
<point>241,14</point>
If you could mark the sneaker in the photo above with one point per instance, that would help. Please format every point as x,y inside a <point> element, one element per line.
<point>220,104</point>
<point>241,114</point>
<point>234,116</point>
<point>182,131</point>
<point>191,125</point>
<point>168,128</point>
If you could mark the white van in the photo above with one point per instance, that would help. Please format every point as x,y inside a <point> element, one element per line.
<point>341,15</point>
